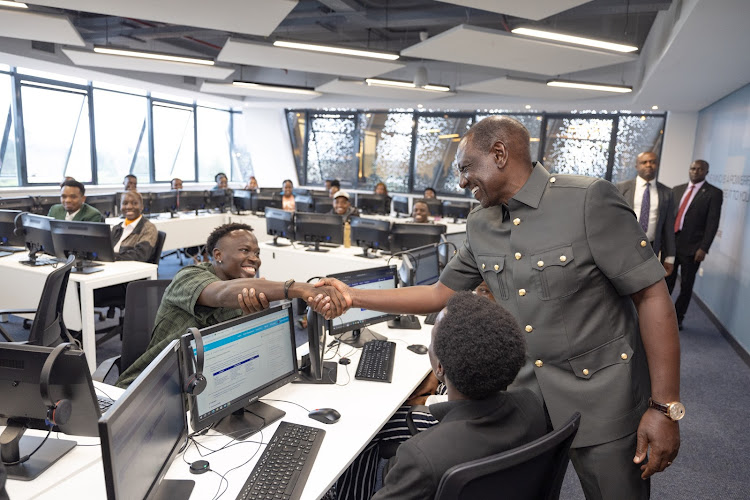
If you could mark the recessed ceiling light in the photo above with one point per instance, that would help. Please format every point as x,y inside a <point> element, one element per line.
<point>588,42</point>
<point>528,106</point>
<point>336,50</point>
<point>654,107</point>
<point>153,55</point>
<point>405,85</point>
<point>17,5</point>
<point>419,106</point>
<point>590,86</point>
<point>275,88</point>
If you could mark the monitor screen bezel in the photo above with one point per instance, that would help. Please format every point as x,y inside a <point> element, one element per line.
<point>188,365</point>
<point>410,228</point>
<point>8,220</point>
<point>364,224</point>
<point>335,221</point>
<point>99,230</point>
<point>410,263</point>
<point>335,328</point>
<point>32,243</point>
<point>276,216</point>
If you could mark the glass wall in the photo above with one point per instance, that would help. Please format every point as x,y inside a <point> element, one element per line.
<point>578,145</point>
<point>437,141</point>
<point>297,120</point>
<point>174,142</point>
<point>385,149</point>
<point>332,148</point>
<point>8,149</point>
<point>214,143</point>
<point>635,134</point>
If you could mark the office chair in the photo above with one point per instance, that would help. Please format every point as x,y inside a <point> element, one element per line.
<point>48,325</point>
<point>142,301</point>
<point>156,256</point>
<point>534,471</point>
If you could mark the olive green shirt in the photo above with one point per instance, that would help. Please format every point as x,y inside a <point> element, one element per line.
<point>179,310</point>
<point>564,256</point>
<point>87,213</point>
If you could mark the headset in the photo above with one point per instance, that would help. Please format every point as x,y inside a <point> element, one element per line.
<point>58,412</point>
<point>196,383</point>
<point>19,230</point>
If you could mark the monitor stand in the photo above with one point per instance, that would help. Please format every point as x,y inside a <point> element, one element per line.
<point>330,373</point>
<point>248,420</point>
<point>82,266</point>
<point>366,255</point>
<point>358,338</point>
<point>317,248</point>
<point>276,243</point>
<point>15,445</point>
<point>169,489</point>
<point>37,261</point>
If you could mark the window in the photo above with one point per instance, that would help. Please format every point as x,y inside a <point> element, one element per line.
<point>635,134</point>
<point>8,150</point>
<point>577,145</point>
<point>437,142</point>
<point>242,166</point>
<point>214,141</point>
<point>533,124</point>
<point>296,122</point>
<point>174,142</point>
<point>121,125</point>
<point>385,150</point>
<point>332,148</point>
<point>56,132</point>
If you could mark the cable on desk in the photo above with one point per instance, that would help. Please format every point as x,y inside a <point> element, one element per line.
<point>284,401</point>
<point>27,457</point>
<point>98,389</point>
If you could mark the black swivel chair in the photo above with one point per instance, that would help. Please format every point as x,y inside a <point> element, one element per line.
<point>156,256</point>
<point>48,325</point>
<point>534,471</point>
<point>142,301</point>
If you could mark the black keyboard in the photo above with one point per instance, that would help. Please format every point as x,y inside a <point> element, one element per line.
<point>285,464</point>
<point>104,403</point>
<point>376,362</point>
<point>430,319</point>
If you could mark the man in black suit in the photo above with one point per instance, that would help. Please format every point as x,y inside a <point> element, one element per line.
<point>698,207</point>
<point>653,204</point>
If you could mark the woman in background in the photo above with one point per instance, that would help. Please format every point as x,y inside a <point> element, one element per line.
<point>287,198</point>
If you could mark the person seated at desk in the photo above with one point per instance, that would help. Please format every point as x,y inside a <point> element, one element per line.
<point>334,188</point>
<point>130,183</point>
<point>343,207</point>
<point>430,193</point>
<point>211,292</point>
<point>135,237</point>
<point>381,188</point>
<point>176,184</point>
<point>287,196</point>
<point>73,206</point>
<point>252,184</point>
<point>420,212</point>
<point>221,181</point>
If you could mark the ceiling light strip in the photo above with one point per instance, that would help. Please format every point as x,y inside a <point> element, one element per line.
<point>153,55</point>
<point>406,85</point>
<point>17,5</point>
<point>590,86</point>
<point>588,42</point>
<point>275,88</point>
<point>336,50</point>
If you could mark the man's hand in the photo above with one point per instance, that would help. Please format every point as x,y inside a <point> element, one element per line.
<point>425,389</point>
<point>251,302</point>
<point>668,268</point>
<point>700,255</point>
<point>340,298</point>
<point>662,435</point>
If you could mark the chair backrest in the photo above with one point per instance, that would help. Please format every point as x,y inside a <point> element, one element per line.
<point>48,325</point>
<point>156,256</point>
<point>142,300</point>
<point>534,471</point>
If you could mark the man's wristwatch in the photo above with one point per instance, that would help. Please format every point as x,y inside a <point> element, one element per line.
<point>675,410</point>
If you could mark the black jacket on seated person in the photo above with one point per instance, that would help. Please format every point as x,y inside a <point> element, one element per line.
<point>467,430</point>
<point>140,244</point>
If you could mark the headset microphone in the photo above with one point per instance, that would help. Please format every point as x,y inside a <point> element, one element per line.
<point>196,383</point>
<point>58,412</point>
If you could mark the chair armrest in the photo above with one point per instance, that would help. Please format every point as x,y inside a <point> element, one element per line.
<point>104,368</point>
<point>18,311</point>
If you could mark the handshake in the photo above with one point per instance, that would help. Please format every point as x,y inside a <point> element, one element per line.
<point>328,297</point>
<point>331,298</point>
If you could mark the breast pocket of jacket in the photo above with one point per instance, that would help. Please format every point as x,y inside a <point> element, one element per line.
<point>494,274</point>
<point>556,271</point>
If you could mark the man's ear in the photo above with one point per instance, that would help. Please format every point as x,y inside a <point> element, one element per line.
<point>216,254</point>
<point>500,154</point>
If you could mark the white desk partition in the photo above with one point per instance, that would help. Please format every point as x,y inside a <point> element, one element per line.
<point>364,406</point>
<point>22,287</point>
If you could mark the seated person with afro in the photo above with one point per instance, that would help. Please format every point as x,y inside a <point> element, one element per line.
<point>477,350</point>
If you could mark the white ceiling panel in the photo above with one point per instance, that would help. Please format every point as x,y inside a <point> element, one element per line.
<point>89,58</point>
<point>252,17</point>
<point>529,88</point>
<point>37,26</point>
<point>499,49</point>
<point>528,9</point>
<point>256,54</point>
<point>360,88</point>
<point>229,89</point>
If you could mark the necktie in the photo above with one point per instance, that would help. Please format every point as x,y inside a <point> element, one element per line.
<point>681,211</point>
<point>645,208</point>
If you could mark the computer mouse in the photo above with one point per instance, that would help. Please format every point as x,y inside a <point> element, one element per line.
<point>325,415</point>
<point>418,348</point>
<point>344,361</point>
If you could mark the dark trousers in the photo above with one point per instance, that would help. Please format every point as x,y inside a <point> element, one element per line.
<point>687,280</point>
<point>607,471</point>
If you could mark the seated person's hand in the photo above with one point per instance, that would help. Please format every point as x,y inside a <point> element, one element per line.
<point>251,302</point>
<point>426,388</point>
<point>333,298</point>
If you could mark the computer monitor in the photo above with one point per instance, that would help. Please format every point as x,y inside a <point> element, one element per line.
<point>245,359</point>
<point>304,203</point>
<point>192,201</point>
<point>401,205</point>
<point>420,266</point>
<point>319,228</point>
<point>279,223</point>
<point>269,190</point>
<point>456,209</point>
<point>44,203</point>
<point>266,199</point>
<point>323,204</point>
<point>370,234</point>
<point>8,236</point>
<point>37,236</point>
<point>449,245</point>
<point>164,202</point>
<point>220,199</point>
<point>435,206</point>
<point>245,200</point>
<point>314,369</point>
<point>24,408</point>
<point>22,203</point>
<point>300,191</point>
<point>351,325</point>
<point>144,430</point>
<point>88,241</point>
<point>371,203</point>
<point>407,236</point>
<point>105,203</point>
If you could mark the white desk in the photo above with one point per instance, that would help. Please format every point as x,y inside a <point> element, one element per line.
<point>364,406</point>
<point>22,288</point>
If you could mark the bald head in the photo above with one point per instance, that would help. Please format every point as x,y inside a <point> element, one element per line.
<point>484,134</point>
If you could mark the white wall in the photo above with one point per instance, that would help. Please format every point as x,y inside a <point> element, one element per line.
<point>267,138</point>
<point>677,151</point>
